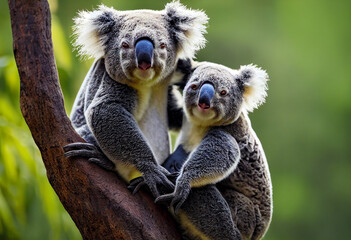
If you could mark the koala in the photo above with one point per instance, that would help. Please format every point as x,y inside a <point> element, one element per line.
<point>121,107</point>
<point>224,189</point>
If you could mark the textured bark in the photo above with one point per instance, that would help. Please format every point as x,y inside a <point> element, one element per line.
<point>97,201</point>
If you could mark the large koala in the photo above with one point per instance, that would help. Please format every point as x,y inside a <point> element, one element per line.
<point>121,107</point>
<point>219,156</point>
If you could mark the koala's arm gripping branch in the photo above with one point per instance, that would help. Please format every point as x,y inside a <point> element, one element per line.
<point>97,201</point>
<point>214,159</point>
<point>122,141</point>
<point>119,137</point>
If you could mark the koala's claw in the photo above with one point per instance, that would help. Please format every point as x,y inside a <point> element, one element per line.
<point>135,184</point>
<point>165,199</point>
<point>177,198</point>
<point>78,145</point>
<point>154,180</point>
<point>157,179</point>
<point>153,184</point>
<point>90,151</point>
<point>177,202</point>
<point>173,177</point>
<point>104,163</point>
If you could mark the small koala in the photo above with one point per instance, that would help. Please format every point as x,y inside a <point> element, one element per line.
<point>224,189</point>
<point>121,107</point>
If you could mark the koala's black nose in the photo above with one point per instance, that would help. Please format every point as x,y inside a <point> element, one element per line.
<point>206,95</point>
<point>144,50</point>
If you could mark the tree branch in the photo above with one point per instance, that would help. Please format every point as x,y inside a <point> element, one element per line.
<point>98,201</point>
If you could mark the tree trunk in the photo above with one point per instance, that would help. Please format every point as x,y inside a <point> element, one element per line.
<point>98,201</point>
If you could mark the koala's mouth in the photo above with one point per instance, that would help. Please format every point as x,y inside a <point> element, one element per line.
<point>204,109</point>
<point>147,75</point>
<point>203,113</point>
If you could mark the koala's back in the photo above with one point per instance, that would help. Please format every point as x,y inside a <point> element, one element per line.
<point>248,189</point>
<point>86,94</point>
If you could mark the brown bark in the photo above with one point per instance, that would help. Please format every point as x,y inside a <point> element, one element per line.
<point>97,201</point>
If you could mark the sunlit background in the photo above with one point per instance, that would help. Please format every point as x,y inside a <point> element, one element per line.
<point>304,126</point>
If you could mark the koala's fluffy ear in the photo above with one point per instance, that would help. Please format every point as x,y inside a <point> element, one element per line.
<point>254,82</point>
<point>91,30</point>
<point>188,28</point>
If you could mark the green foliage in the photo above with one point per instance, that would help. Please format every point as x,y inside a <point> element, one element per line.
<point>304,126</point>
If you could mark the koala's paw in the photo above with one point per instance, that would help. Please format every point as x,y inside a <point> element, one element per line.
<point>177,198</point>
<point>137,183</point>
<point>157,181</point>
<point>91,152</point>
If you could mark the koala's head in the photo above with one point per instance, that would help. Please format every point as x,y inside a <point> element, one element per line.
<point>216,95</point>
<point>140,47</point>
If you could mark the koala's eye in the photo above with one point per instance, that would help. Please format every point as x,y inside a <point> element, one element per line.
<point>162,45</point>
<point>193,86</point>
<point>223,92</point>
<point>125,45</point>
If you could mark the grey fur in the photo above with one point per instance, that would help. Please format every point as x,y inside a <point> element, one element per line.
<point>121,109</point>
<point>224,150</point>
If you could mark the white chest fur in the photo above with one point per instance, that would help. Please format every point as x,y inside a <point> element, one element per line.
<point>151,115</point>
<point>190,135</point>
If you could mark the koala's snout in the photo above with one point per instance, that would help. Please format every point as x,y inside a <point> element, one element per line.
<point>206,94</point>
<point>144,51</point>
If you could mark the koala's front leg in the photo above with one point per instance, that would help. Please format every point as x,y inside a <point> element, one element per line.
<point>213,160</point>
<point>120,138</point>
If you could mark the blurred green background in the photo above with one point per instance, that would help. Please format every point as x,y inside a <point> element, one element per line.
<point>304,125</point>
